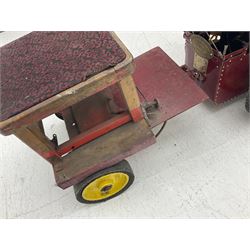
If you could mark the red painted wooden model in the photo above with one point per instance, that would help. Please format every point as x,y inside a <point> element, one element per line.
<point>109,102</point>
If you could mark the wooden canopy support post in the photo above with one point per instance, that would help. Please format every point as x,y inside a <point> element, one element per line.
<point>37,127</point>
<point>33,136</point>
<point>131,97</point>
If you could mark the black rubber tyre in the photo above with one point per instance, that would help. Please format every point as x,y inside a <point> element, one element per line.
<point>121,167</point>
<point>247,103</point>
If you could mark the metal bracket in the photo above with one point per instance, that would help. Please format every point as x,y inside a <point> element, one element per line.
<point>149,108</point>
<point>54,140</point>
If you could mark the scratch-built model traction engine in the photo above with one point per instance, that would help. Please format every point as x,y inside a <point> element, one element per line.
<point>109,101</point>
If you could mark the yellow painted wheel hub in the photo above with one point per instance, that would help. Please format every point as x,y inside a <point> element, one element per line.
<point>105,186</point>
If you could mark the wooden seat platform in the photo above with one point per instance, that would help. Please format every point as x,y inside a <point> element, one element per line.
<point>45,72</point>
<point>43,64</point>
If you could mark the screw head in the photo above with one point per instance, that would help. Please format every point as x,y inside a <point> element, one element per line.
<point>106,188</point>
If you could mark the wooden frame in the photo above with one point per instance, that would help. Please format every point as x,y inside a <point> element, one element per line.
<point>72,95</point>
<point>128,89</point>
<point>33,136</point>
<point>28,127</point>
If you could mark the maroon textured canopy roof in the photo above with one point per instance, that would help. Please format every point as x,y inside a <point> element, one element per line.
<point>42,64</point>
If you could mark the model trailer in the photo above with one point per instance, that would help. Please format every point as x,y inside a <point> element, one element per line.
<point>108,100</point>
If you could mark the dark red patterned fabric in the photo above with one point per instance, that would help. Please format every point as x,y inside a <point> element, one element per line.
<point>42,64</point>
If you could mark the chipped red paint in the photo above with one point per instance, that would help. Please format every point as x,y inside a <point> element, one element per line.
<point>136,114</point>
<point>48,154</point>
<point>85,172</point>
<point>159,77</point>
<point>89,135</point>
<point>93,133</point>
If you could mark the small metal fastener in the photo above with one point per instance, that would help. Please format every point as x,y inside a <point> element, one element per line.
<point>106,189</point>
<point>54,140</point>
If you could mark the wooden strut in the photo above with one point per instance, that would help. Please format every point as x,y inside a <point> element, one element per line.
<point>128,89</point>
<point>33,136</point>
<point>91,134</point>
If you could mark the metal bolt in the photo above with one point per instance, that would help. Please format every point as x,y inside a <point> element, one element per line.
<point>105,189</point>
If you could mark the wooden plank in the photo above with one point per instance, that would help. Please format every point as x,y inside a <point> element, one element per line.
<point>35,139</point>
<point>72,95</point>
<point>37,127</point>
<point>128,89</point>
<point>104,152</point>
<point>93,133</point>
<point>126,64</point>
<point>70,122</point>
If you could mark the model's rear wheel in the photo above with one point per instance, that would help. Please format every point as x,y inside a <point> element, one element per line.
<point>105,184</point>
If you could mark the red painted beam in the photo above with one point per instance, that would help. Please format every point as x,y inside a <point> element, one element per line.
<point>93,133</point>
<point>136,114</point>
